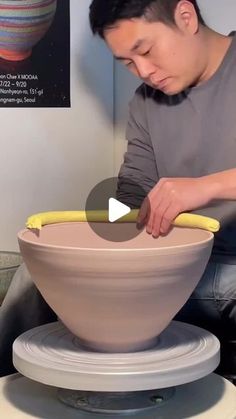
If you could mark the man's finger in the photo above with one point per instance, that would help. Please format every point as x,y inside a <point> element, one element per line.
<point>168,217</point>
<point>158,217</point>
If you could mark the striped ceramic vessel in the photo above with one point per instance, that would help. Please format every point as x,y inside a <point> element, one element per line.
<point>22,24</point>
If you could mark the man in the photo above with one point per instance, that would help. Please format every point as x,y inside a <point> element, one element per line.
<point>181,137</point>
<point>22,309</point>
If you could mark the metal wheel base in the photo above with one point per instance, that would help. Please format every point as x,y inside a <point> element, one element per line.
<point>115,403</point>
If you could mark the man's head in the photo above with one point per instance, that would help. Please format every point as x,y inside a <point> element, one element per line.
<point>158,40</point>
<point>104,14</point>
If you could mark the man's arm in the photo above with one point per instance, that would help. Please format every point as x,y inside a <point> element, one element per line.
<point>222,184</point>
<point>139,166</point>
<point>172,196</point>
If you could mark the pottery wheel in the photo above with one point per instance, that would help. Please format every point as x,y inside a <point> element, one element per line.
<point>212,397</point>
<point>50,354</point>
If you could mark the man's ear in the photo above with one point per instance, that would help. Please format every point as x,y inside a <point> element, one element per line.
<point>186,18</point>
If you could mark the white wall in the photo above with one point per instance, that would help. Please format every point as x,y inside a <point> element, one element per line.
<point>51,158</point>
<point>219,14</point>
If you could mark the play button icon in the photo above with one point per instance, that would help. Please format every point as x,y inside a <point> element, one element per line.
<point>117,210</point>
<point>117,203</point>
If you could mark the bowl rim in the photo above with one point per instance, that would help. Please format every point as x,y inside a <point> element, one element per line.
<point>161,250</point>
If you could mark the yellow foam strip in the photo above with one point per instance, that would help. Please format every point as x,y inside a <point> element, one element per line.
<point>36,221</point>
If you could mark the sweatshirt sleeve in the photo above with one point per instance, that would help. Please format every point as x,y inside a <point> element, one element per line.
<point>139,165</point>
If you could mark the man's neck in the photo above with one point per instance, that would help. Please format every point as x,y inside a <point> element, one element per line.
<point>216,46</point>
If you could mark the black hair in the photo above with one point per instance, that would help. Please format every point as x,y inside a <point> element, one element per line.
<point>105,13</point>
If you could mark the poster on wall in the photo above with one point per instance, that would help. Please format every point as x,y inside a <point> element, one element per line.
<point>34,53</point>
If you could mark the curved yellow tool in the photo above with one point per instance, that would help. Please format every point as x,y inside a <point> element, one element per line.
<point>36,221</point>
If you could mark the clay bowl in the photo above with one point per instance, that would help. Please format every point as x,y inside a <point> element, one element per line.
<point>22,24</point>
<point>115,296</point>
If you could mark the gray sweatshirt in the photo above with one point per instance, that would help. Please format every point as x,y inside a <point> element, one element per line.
<point>191,134</point>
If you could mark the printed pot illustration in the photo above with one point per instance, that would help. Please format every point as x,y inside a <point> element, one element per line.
<point>115,296</point>
<point>23,23</point>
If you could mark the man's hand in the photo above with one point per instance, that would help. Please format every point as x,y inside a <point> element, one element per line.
<point>169,198</point>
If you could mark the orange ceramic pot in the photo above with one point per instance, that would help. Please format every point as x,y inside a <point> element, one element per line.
<point>23,23</point>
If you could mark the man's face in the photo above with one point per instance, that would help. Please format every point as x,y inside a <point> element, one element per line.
<point>165,57</point>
